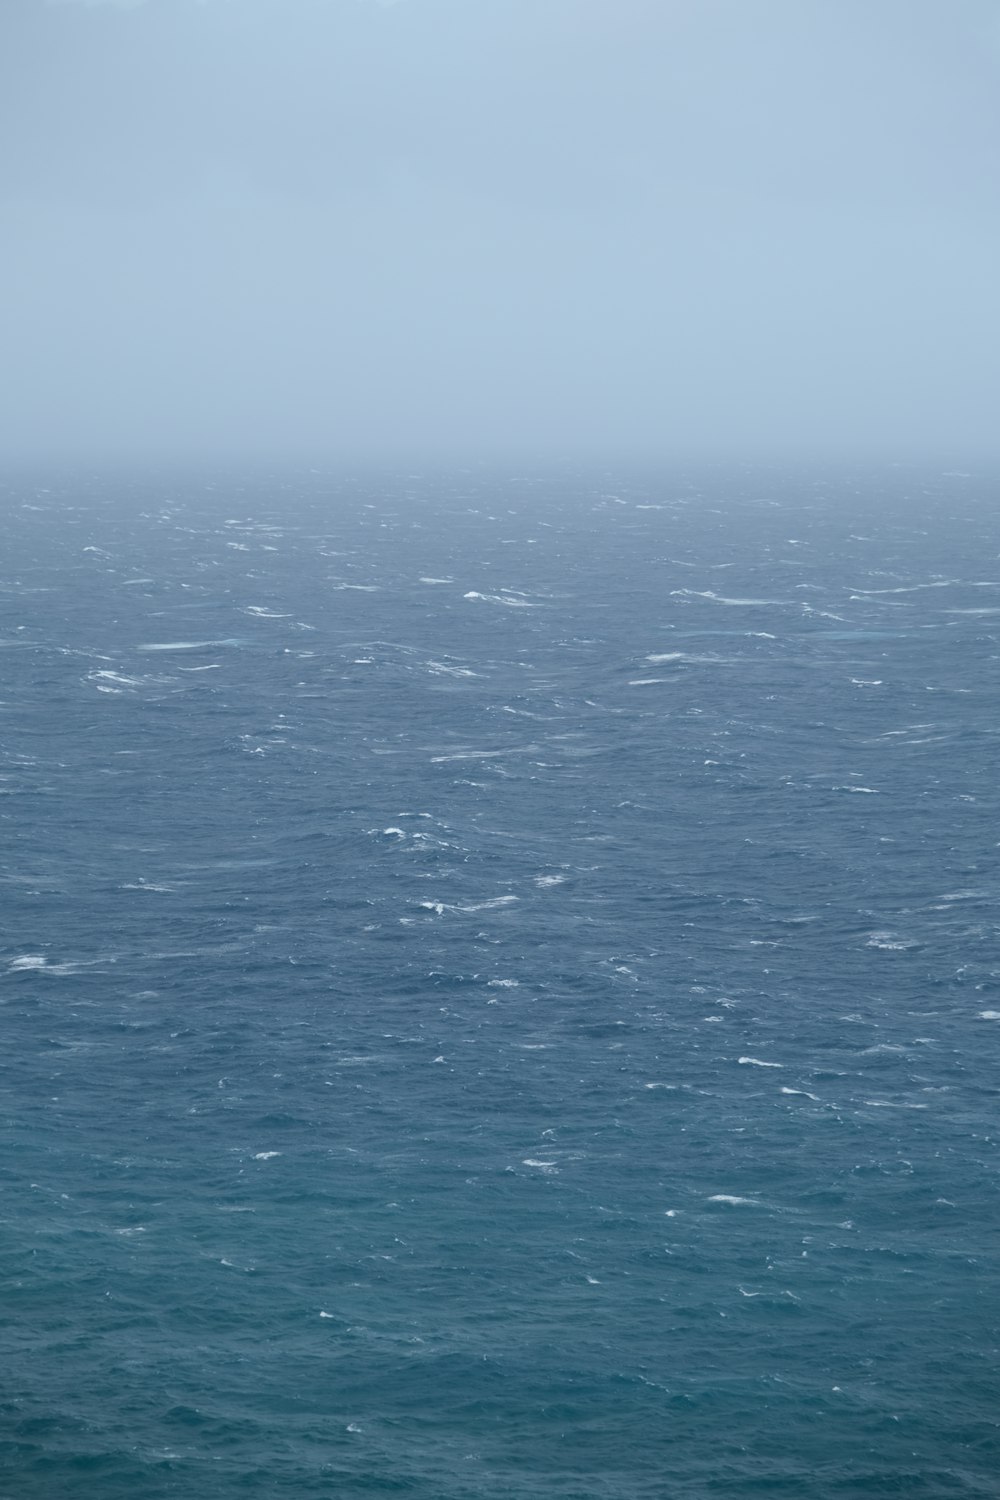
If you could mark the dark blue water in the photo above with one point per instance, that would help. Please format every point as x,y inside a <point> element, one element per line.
<point>500,988</point>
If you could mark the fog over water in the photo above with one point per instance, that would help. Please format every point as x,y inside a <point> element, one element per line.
<point>314,229</point>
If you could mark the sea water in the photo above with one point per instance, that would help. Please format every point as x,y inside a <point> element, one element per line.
<point>500,987</point>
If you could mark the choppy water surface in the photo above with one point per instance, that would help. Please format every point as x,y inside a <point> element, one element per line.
<point>500,988</point>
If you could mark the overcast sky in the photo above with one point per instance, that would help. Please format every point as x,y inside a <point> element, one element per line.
<point>311,228</point>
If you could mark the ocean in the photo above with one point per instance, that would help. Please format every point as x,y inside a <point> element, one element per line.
<point>500,986</point>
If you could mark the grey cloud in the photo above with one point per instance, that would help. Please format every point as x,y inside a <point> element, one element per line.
<point>322,227</point>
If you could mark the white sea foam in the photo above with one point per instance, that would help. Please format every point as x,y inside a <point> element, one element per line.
<point>731,1198</point>
<point>489,905</point>
<point>37,963</point>
<point>892,1104</point>
<point>719,598</point>
<point>441,760</point>
<point>989,1015</point>
<point>183,645</point>
<point>265,1155</point>
<point>803,1093</point>
<point>444,669</point>
<point>755,1062</point>
<point>512,603</point>
<point>659,658</point>
<point>119,678</point>
<point>937,583</point>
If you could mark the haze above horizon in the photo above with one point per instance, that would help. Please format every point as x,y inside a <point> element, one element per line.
<point>340,228</point>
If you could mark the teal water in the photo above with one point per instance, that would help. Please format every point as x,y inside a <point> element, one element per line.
<point>500,988</point>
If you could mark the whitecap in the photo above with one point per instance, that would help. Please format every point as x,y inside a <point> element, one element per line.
<point>184,645</point>
<point>720,599</point>
<point>892,1104</point>
<point>118,678</point>
<point>512,603</point>
<point>730,1198</point>
<point>492,905</point>
<point>441,760</point>
<point>660,658</point>
<point>441,668</point>
<point>755,1062</point>
<point>890,943</point>
<point>913,588</point>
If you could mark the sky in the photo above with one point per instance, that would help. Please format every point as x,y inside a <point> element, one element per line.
<point>322,229</point>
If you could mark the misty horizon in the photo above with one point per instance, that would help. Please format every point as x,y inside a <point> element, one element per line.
<point>524,230</point>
